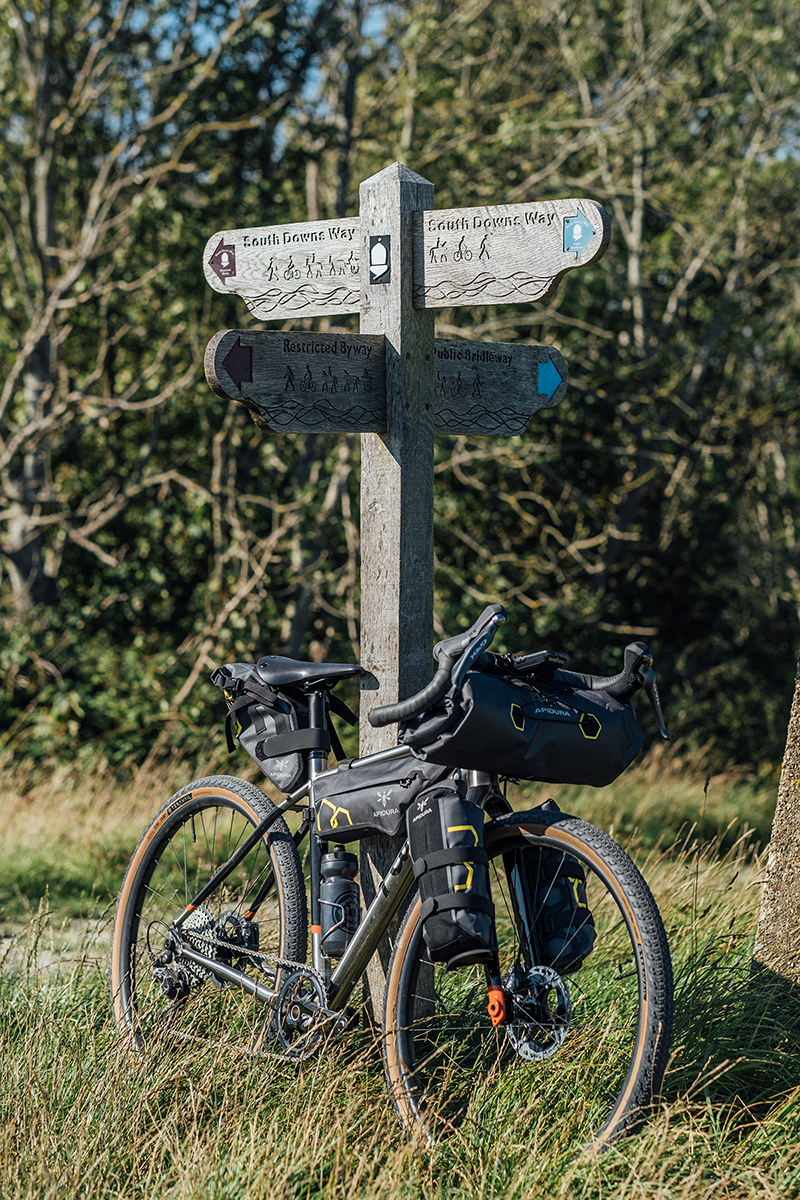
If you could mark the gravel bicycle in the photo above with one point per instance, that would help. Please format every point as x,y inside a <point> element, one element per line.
<point>210,939</point>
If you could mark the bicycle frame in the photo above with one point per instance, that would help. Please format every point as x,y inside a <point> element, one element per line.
<point>389,897</point>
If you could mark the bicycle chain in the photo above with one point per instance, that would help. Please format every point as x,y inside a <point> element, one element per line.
<point>327,1014</point>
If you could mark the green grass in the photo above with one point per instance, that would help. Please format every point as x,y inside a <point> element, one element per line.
<point>81,1116</point>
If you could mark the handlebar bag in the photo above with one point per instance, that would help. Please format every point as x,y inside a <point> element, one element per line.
<point>545,731</point>
<point>360,797</point>
<point>271,725</point>
<point>445,837</point>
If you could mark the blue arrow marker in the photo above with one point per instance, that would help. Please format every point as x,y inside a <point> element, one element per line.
<point>578,233</point>
<point>549,378</point>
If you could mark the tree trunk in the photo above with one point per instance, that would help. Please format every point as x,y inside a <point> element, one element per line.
<point>778,937</point>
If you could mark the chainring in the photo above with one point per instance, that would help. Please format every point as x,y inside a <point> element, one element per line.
<point>301,1016</point>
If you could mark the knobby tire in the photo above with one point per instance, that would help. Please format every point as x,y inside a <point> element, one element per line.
<point>192,835</point>
<point>447,1067</point>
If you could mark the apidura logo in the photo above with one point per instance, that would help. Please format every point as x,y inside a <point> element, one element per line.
<point>336,812</point>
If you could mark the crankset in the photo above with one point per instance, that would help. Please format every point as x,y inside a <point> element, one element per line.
<point>302,1020</point>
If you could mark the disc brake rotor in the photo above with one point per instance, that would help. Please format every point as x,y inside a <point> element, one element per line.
<point>542,1012</point>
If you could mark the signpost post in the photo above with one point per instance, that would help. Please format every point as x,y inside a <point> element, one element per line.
<point>393,381</point>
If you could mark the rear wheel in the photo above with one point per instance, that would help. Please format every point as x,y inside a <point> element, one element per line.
<point>258,914</point>
<point>591,1012</point>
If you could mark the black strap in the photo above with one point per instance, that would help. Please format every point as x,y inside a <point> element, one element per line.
<point>340,708</point>
<point>449,857</point>
<point>336,745</point>
<point>466,900</point>
<point>288,743</point>
<point>229,734</point>
<point>250,690</point>
<point>244,695</point>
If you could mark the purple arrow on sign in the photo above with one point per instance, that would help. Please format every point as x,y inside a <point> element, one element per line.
<point>223,260</point>
<point>238,362</point>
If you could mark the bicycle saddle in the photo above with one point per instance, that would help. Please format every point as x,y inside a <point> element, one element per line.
<point>282,672</point>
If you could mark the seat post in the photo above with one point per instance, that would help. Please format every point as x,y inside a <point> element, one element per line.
<point>317,719</point>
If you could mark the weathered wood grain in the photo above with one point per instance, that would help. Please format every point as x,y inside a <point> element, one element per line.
<point>493,387</point>
<point>396,492</point>
<point>503,253</point>
<point>777,948</point>
<point>397,467</point>
<point>282,271</point>
<point>299,382</point>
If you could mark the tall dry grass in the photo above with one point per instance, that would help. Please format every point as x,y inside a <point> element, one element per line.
<point>81,1116</point>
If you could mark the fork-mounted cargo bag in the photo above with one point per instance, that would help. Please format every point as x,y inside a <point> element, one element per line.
<point>556,883</point>
<point>445,834</point>
<point>272,725</point>
<point>544,730</point>
<point>360,797</point>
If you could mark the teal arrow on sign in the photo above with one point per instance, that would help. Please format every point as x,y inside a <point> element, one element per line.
<point>550,379</point>
<point>578,233</point>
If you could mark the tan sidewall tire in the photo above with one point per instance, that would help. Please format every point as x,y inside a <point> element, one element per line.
<point>612,865</point>
<point>247,799</point>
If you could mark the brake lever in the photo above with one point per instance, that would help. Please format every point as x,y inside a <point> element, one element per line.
<point>475,650</point>
<point>651,687</point>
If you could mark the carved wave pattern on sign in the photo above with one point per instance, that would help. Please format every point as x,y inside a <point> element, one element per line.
<point>486,288</point>
<point>320,415</point>
<point>305,296</point>
<point>478,419</point>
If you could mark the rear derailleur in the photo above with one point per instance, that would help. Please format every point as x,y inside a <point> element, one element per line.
<point>234,942</point>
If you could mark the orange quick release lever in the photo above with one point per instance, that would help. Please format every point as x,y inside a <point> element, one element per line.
<point>497,1005</point>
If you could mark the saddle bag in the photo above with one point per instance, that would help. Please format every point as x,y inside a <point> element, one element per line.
<point>360,797</point>
<point>445,834</point>
<point>545,730</point>
<point>271,725</point>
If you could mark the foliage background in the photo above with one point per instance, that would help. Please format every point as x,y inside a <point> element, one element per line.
<point>147,533</point>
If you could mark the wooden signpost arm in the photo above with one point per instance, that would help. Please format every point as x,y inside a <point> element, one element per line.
<point>396,490</point>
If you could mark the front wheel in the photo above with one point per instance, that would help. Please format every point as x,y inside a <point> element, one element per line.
<point>590,996</point>
<point>256,916</point>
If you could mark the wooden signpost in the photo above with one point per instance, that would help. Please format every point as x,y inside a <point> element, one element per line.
<point>498,254</point>
<point>394,382</point>
<point>334,383</point>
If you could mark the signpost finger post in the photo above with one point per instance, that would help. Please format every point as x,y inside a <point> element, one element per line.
<point>394,383</point>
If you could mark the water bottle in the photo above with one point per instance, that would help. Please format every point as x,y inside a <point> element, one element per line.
<point>338,898</point>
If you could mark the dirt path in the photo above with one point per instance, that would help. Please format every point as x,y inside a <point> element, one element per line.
<point>52,945</point>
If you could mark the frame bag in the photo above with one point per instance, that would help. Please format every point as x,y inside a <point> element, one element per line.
<point>545,730</point>
<point>359,798</point>
<point>445,835</point>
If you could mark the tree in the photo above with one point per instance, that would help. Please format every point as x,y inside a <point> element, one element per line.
<point>139,522</point>
<point>658,500</point>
